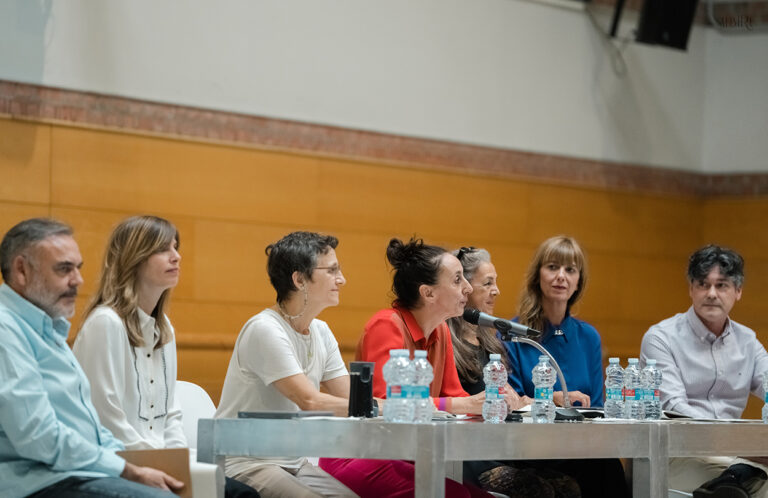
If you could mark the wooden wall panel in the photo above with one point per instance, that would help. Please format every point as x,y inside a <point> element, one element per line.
<point>12,212</point>
<point>230,202</point>
<point>438,206</point>
<point>24,161</point>
<point>134,173</point>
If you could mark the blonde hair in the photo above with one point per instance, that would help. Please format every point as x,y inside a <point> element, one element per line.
<point>132,242</point>
<point>561,250</point>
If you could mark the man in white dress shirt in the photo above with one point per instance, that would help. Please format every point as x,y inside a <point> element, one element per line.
<point>710,365</point>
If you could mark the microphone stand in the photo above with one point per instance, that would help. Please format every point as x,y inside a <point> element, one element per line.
<point>567,412</point>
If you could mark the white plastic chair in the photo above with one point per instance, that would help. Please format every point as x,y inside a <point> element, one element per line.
<point>207,479</point>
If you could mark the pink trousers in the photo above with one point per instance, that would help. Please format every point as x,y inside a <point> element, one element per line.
<point>388,478</point>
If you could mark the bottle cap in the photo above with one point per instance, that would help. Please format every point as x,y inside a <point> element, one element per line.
<point>613,360</point>
<point>633,360</point>
<point>495,356</point>
<point>419,353</point>
<point>650,362</point>
<point>544,358</point>
<point>398,352</point>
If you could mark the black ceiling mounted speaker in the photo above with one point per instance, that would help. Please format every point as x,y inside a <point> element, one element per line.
<point>666,22</point>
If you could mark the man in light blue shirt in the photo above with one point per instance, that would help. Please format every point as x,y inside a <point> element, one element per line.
<point>51,441</point>
<point>710,365</point>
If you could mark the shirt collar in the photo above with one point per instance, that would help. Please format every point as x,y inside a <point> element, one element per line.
<point>38,320</point>
<point>149,331</point>
<point>701,331</point>
<point>415,329</point>
<point>552,331</point>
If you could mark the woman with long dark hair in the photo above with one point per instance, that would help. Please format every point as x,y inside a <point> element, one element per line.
<point>472,347</point>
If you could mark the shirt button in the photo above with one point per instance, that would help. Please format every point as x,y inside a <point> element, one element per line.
<point>151,381</point>
<point>150,427</point>
<point>151,406</point>
<point>148,355</point>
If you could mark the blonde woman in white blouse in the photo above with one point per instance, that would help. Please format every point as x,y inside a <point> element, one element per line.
<point>126,345</point>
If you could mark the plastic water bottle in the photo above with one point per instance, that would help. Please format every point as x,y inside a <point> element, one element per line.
<point>614,387</point>
<point>495,377</point>
<point>634,407</point>
<point>398,376</point>
<point>543,409</point>
<point>422,378</point>
<point>765,395</point>
<point>651,383</point>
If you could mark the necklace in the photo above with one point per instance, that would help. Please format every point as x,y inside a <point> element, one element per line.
<point>307,338</point>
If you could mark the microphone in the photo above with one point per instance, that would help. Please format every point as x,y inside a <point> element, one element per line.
<point>506,327</point>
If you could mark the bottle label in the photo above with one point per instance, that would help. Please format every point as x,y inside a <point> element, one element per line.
<point>639,394</point>
<point>542,393</point>
<point>419,392</point>
<point>613,393</point>
<point>494,392</point>
<point>656,395</point>
<point>766,396</point>
<point>629,393</point>
<point>394,392</point>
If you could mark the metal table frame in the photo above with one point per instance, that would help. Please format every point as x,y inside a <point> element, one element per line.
<point>436,447</point>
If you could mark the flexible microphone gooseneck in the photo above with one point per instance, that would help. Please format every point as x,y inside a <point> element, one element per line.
<point>506,327</point>
<point>512,331</point>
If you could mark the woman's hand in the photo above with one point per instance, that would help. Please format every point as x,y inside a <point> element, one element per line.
<point>470,405</point>
<point>514,400</point>
<point>573,396</point>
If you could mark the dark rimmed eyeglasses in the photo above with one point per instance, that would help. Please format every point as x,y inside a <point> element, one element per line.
<point>464,251</point>
<point>334,271</point>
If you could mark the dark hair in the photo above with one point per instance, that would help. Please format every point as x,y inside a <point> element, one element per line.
<point>415,264</point>
<point>297,251</point>
<point>730,262</point>
<point>25,234</point>
<point>467,362</point>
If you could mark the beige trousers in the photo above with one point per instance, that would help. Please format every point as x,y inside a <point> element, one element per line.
<point>308,481</point>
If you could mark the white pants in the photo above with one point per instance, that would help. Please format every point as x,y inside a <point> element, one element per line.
<point>687,474</point>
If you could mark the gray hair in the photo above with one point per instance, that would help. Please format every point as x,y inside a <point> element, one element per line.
<point>730,262</point>
<point>24,235</point>
<point>471,259</point>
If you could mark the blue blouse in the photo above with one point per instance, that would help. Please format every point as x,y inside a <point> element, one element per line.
<point>577,351</point>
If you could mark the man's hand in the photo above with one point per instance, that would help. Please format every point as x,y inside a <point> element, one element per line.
<point>151,477</point>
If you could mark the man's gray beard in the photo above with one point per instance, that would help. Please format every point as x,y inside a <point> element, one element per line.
<point>40,296</point>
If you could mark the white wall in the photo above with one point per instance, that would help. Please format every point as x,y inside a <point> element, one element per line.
<point>736,119</point>
<point>501,73</point>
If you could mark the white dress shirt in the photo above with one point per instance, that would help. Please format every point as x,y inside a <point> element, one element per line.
<point>132,388</point>
<point>705,376</point>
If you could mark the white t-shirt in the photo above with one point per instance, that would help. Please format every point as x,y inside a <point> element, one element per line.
<point>133,389</point>
<point>268,349</point>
